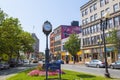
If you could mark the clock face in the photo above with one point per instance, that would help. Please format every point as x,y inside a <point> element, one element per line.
<point>47,27</point>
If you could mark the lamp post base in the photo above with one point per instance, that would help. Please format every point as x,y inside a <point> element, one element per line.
<point>107,75</point>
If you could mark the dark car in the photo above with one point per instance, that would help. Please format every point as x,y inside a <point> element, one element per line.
<point>115,65</point>
<point>1,66</point>
<point>4,65</point>
<point>12,62</point>
<point>95,63</point>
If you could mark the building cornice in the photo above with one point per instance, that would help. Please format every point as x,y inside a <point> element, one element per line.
<point>87,4</point>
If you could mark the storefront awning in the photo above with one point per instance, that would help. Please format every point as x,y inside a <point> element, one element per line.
<point>109,49</point>
<point>87,51</point>
<point>79,53</point>
<point>63,53</point>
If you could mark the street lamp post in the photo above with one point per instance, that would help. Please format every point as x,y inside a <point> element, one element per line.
<point>106,16</point>
<point>47,28</point>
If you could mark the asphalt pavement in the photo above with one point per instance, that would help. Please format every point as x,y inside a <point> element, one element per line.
<point>114,73</point>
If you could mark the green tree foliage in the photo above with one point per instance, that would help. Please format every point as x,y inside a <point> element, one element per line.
<point>2,16</point>
<point>26,41</point>
<point>114,39</point>
<point>73,45</point>
<point>10,30</point>
<point>13,39</point>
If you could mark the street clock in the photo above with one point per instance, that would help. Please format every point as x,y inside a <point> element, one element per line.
<point>47,27</point>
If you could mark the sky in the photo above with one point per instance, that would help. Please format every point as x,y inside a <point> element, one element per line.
<point>33,13</point>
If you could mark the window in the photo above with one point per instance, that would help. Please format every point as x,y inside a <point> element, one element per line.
<point>107,9</point>
<point>91,8</point>
<point>92,29</point>
<point>95,6</point>
<point>86,20</point>
<point>95,28</point>
<point>110,23</point>
<point>91,18</point>
<point>102,13</point>
<point>95,16</point>
<point>88,30</point>
<point>115,7</point>
<point>98,27</point>
<point>83,22</point>
<point>83,31</point>
<point>89,40</point>
<point>106,1</point>
<point>86,11</point>
<point>82,13</point>
<point>102,3</point>
<point>116,21</point>
<point>92,40</point>
<point>83,41</point>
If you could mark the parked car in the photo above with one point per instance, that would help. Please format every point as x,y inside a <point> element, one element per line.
<point>115,65</point>
<point>4,65</point>
<point>26,61</point>
<point>95,63</point>
<point>1,66</point>
<point>12,62</point>
<point>20,62</point>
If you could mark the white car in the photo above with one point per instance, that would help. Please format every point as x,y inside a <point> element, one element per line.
<point>114,65</point>
<point>95,63</point>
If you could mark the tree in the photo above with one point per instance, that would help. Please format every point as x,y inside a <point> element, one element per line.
<point>10,29</point>
<point>26,41</point>
<point>114,40</point>
<point>13,38</point>
<point>73,45</point>
<point>2,15</point>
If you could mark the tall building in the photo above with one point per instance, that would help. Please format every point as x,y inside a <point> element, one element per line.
<point>35,46</point>
<point>92,12</point>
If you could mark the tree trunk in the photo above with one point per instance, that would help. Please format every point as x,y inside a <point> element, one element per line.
<point>74,59</point>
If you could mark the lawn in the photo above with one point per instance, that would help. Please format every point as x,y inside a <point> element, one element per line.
<point>69,75</point>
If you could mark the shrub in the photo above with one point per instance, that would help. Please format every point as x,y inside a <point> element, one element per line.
<point>39,67</point>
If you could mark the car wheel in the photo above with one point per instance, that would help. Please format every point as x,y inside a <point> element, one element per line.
<point>112,67</point>
<point>98,66</point>
<point>87,65</point>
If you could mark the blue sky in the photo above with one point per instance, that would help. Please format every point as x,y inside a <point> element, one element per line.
<point>36,12</point>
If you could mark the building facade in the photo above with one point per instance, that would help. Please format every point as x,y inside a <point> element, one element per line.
<point>59,36</point>
<point>35,47</point>
<point>52,43</point>
<point>92,12</point>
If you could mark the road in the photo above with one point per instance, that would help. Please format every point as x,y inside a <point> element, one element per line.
<point>114,73</point>
<point>77,67</point>
<point>12,71</point>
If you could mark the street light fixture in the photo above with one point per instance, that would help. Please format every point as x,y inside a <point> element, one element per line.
<point>103,27</point>
<point>47,28</point>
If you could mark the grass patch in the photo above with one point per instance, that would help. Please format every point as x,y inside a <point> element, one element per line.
<point>69,75</point>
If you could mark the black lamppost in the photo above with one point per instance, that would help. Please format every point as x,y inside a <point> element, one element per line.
<point>103,27</point>
<point>47,28</point>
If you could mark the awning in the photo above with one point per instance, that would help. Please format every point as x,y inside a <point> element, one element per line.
<point>109,49</point>
<point>79,53</point>
<point>87,51</point>
<point>63,53</point>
